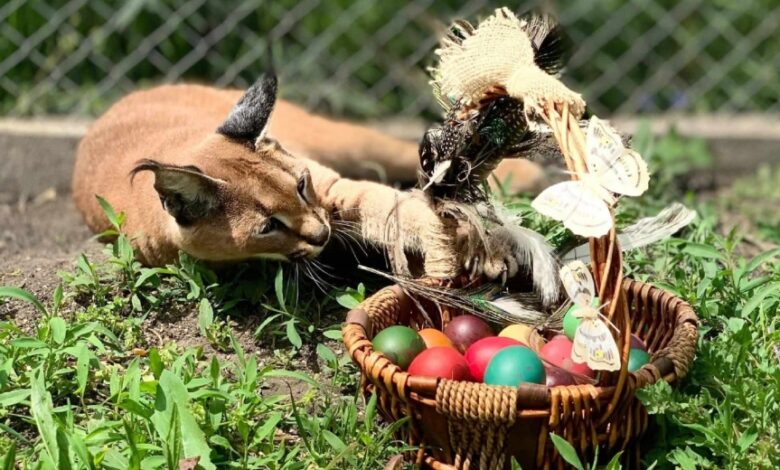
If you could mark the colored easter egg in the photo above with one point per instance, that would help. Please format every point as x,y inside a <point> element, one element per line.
<point>514,365</point>
<point>637,358</point>
<point>465,330</point>
<point>555,376</point>
<point>570,322</point>
<point>399,343</point>
<point>637,343</point>
<point>434,338</point>
<point>440,361</point>
<point>558,353</point>
<point>479,354</point>
<point>518,332</point>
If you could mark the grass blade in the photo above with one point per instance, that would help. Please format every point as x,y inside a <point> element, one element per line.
<point>23,295</point>
<point>567,451</point>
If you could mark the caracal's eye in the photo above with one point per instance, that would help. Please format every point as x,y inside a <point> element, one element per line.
<point>271,224</point>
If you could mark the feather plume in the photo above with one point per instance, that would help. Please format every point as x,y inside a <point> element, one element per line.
<point>533,250</point>
<point>644,232</point>
<point>439,171</point>
<point>489,303</point>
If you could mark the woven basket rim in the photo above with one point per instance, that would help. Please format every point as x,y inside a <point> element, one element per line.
<point>530,395</point>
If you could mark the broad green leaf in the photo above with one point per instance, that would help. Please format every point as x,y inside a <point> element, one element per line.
<point>41,411</point>
<point>265,323</point>
<point>135,301</point>
<point>82,367</point>
<point>370,414</point>
<point>9,458</point>
<point>326,354</point>
<point>14,397</point>
<point>279,288</point>
<point>205,316</point>
<point>683,459</point>
<point>109,211</point>
<point>136,408</point>
<point>155,363</point>
<point>700,250</point>
<point>58,329</point>
<point>267,428</point>
<point>154,462</point>
<point>735,325</point>
<point>28,343</point>
<point>221,441</point>
<point>80,449</point>
<point>174,394</point>
<point>758,298</point>
<point>146,274</point>
<point>347,301</point>
<point>614,463</point>
<point>293,336</point>
<point>746,440</point>
<point>567,451</point>
<point>760,259</point>
<point>57,300</point>
<point>335,442</point>
<point>332,334</point>
<point>23,295</point>
<point>289,374</point>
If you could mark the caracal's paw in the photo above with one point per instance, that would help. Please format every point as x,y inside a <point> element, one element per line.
<point>491,254</point>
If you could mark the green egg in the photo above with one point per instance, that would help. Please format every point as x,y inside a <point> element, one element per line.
<point>400,344</point>
<point>514,365</point>
<point>570,322</point>
<point>637,358</point>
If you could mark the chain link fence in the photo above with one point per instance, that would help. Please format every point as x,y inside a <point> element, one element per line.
<point>368,57</point>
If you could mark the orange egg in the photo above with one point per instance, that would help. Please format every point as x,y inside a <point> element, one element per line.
<point>434,338</point>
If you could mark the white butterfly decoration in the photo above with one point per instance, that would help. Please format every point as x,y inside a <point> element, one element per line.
<point>583,205</point>
<point>593,343</point>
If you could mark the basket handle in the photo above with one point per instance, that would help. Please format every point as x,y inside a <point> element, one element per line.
<point>607,260</point>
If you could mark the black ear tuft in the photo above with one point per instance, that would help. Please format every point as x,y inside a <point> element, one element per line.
<point>249,118</point>
<point>185,192</point>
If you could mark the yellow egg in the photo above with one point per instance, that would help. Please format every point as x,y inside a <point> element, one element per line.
<point>518,332</point>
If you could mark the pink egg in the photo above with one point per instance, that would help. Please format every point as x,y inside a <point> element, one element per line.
<point>558,353</point>
<point>479,354</point>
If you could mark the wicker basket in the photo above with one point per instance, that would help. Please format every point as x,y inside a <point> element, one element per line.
<point>472,425</point>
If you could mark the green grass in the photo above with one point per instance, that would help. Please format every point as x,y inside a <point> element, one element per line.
<point>89,388</point>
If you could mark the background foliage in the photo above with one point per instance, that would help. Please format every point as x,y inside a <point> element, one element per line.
<point>368,57</point>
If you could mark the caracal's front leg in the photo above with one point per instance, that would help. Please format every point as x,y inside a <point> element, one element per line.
<point>398,221</point>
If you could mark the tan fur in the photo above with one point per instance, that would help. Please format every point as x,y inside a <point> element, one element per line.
<point>175,125</point>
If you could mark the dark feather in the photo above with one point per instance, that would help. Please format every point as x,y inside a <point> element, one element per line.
<point>551,45</point>
<point>475,144</point>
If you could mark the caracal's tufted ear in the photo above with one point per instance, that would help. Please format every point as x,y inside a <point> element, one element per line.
<point>248,121</point>
<point>186,192</point>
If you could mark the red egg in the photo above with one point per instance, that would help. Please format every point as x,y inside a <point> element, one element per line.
<point>479,354</point>
<point>441,362</point>
<point>557,376</point>
<point>466,330</point>
<point>637,343</point>
<point>558,353</point>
